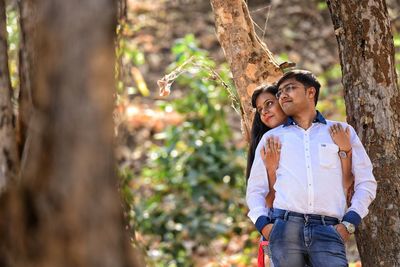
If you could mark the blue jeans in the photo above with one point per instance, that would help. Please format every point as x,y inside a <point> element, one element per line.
<point>297,240</point>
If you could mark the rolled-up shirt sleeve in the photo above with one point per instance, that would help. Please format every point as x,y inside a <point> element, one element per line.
<point>257,186</point>
<point>364,181</point>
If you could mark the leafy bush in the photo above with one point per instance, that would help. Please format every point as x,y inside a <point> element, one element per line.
<point>191,191</point>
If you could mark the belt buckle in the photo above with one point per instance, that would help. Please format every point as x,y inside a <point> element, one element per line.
<point>306,218</point>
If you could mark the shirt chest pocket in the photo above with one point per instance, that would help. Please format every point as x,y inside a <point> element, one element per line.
<point>328,155</point>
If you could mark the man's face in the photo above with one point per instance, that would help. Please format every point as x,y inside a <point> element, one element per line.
<point>293,97</point>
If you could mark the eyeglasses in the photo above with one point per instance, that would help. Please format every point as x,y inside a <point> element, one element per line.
<point>267,105</point>
<point>285,90</point>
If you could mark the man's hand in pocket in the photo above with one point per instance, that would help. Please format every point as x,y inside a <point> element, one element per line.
<point>266,231</point>
<point>341,229</point>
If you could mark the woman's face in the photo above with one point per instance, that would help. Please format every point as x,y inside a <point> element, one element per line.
<point>270,111</point>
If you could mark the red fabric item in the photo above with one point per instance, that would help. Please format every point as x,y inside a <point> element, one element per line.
<point>261,257</point>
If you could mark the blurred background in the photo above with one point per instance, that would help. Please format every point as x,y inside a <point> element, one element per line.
<point>181,158</point>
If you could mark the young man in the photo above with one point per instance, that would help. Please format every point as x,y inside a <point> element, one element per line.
<point>310,221</point>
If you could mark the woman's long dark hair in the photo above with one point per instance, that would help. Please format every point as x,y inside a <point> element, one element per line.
<point>258,129</point>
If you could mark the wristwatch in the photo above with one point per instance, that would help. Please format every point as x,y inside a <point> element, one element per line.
<point>349,227</point>
<point>344,154</point>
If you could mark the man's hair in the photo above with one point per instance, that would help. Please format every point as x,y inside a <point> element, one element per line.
<point>305,77</point>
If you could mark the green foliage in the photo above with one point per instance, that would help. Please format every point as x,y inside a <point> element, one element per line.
<point>321,5</point>
<point>331,102</point>
<point>134,55</point>
<point>130,56</point>
<point>187,192</point>
<point>282,57</point>
<point>396,39</point>
<point>13,39</point>
<point>127,194</point>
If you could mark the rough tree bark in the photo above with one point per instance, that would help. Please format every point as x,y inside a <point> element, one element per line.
<point>27,21</point>
<point>9,161</point>
<point>66,209</point>
<point>250,61</point>
<point>373,108</point>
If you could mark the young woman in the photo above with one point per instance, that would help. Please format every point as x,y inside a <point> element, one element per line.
<point>270,115</point>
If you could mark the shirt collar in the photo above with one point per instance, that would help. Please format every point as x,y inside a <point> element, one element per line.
<point>319,118</point>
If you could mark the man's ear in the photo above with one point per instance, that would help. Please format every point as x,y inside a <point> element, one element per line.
<point>311,92</point>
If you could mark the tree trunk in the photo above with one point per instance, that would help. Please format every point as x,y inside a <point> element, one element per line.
<point>9,163</point>
<point>249,59</point>
<point>66,210</point>
<point>28,22</point>
<point>373,108</point>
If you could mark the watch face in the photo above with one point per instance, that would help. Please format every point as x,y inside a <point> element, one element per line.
<point>342,154</point>
<point>349,227</point>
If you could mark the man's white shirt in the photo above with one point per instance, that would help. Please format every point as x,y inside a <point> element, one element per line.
<point>309,176</point>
